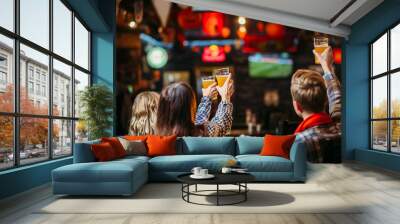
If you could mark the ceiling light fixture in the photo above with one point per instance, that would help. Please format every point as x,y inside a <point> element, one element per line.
<point>241,20</point>
<point>132,24</point>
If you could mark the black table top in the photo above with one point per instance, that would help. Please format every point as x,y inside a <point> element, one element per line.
<point>220,178</point>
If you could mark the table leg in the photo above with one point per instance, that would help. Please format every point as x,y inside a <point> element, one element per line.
<point>196,187</point>
<point>217,194</point>
<point>188,189</point>
<point>245,193</point>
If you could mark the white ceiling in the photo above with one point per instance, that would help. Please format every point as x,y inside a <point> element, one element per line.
<point>314,15</point>
<point>320,9</point>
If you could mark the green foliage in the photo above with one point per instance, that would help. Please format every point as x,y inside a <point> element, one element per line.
<point>96,105</point>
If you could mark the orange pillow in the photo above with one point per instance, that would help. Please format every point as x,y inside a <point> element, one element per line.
<point>161,145</point>
<point>277,145</point>
<point>135,138</point>
<point>116,145</point>
<point>103,152</point>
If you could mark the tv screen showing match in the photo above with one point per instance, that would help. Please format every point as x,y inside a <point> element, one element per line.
<point>270,65</point>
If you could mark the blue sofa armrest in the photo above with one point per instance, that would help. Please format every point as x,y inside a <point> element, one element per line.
<point>83,152</point>
<point>298,155</point>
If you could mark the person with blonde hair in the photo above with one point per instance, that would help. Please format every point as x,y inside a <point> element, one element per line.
<point>312,93</point>
<point>144,113</point>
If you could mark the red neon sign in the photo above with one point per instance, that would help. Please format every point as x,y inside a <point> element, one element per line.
<point>213,53</point>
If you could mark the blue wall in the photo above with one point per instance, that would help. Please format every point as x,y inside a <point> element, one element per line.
<point>100,17</point>
<point>356,85</point>
<point>24,178</point>
<point>103,52</point>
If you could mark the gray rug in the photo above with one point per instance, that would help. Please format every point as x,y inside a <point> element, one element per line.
<point>166,198</point>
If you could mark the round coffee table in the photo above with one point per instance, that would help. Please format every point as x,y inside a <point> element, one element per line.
<point>238,179</point>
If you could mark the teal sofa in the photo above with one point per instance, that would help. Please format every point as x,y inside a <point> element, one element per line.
<point>125,176</point>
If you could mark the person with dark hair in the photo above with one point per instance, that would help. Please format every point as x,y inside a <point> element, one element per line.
<point>177,111</point>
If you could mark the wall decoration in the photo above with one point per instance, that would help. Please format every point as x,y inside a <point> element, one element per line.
<point>187,19</point>
<point>157,57</point>
<point>213,22</point>
<point>213,53</point>
<point>241,32</point>
<point>337,55</point>
<point>275,31</point>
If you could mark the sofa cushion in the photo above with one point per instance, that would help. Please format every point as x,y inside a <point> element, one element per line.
<point>249,145</point>
<point>277,145</point>
<point>257,163</point>
<point>207,145</point>
<point>116,145</point>
<point>185,163</point>
<point>103,152</point>
<point>136,147</point>
<point>112,171</point>
<point>161,145</point>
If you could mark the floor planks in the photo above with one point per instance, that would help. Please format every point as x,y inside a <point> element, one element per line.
<point>377,189</point>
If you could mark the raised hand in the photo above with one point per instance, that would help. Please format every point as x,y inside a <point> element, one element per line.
<point>226,91</point>
<point>210,91</point>
<point>325,59</point>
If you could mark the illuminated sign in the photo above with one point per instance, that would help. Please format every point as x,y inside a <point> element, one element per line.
<point>213,53</point>
<point>157,57</point>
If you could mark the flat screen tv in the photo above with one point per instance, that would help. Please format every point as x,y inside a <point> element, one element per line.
<point>270,65</point>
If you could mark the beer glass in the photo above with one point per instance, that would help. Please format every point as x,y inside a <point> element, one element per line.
<point>320,44</point>
<point>221,75</point>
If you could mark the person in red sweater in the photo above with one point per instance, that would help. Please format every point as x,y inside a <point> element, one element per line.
<point>311,93</point>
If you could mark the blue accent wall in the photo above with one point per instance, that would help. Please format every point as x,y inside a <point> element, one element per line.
<point>27,177</point>
<point>99,15</point>
<point>103,52</point>
<point>356,85</point>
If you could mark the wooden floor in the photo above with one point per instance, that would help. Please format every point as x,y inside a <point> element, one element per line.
<point>377,188</point>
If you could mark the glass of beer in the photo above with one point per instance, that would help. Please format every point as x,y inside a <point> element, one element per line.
<point>207,81</point>
<point>320,44</point>
<point>221,75</point>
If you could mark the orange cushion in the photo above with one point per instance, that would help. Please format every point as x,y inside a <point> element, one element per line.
<point>161,145</point>
<point>136,137</point>
<point>277,145</point>
<point>116,145</point>
<point>103,152</point>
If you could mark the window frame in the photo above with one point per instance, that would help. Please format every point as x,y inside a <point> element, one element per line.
<point>388,74</point>
<point>16,115</point>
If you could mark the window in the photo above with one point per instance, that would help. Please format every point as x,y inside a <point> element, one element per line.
<point>7,73</point>
<point>61,75</point>
<point>7,14</point>
<point>30,88</point>
<point>41,123</point>
<point>62,137</point>
<point>3,61</point>
<point>35,21</point>
<point>62,29</point>
<point>37,89</point>
<point>30,72</point>
<point>44,91</point>
<point>6,142</point>
<point>3,78</point>
<point>37,75</point>
<point>81,45</point>
<point>385,95</point>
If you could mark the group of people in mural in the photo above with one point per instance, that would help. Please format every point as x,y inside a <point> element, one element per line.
<point>175,110</point>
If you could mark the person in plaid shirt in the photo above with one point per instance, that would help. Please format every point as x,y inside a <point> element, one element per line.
<point>221,123</point>
<point>311,92</point>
